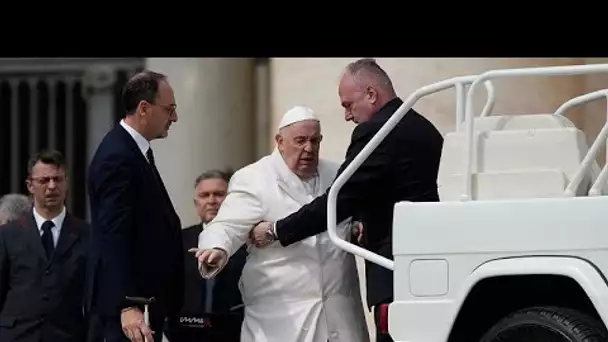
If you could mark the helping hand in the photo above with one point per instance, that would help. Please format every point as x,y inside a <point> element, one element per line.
<point>262,235</point>
<point>357,231</point>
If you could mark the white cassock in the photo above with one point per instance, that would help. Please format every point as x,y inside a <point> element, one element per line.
<point>306,292</point>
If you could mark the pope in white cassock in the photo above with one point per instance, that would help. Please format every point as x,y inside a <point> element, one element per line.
<point>308,291</point>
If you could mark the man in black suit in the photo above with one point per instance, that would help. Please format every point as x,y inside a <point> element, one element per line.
<point>42,262</point>
<point>213,308</point>
<point>136,248</point>
<point>404,167</point>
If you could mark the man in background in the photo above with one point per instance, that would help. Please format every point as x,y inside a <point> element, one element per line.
<point>136,248</point>
<point>403,167</point>
<point>213,308</point>
<point>42,262</point>
<point>13,206</point>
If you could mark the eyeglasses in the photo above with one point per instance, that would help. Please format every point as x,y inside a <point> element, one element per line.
<point>47,180</point>
<point>170,109</point>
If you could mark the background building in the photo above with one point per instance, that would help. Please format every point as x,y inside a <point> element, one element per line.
<point>228,108</point>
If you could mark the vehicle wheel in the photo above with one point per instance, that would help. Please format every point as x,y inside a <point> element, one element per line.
<point>547,324</point>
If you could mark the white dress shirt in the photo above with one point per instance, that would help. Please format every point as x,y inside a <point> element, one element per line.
<point>142,143</point>
<point>57,221</point>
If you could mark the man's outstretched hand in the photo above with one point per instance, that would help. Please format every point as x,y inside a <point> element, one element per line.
<point>210,261</point>
<point>262,234</point>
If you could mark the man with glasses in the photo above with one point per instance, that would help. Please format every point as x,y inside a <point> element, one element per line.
<point>136,248</point>
<point>42,254</point>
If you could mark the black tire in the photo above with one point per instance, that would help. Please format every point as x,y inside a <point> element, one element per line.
<point>547,324</point>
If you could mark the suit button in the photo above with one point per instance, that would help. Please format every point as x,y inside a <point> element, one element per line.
<point>334,334</point>
<point>47,272</point>
<point>45,296</point>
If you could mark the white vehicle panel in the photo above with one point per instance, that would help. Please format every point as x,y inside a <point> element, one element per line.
<point>501,226</point>
<point>415,319</point>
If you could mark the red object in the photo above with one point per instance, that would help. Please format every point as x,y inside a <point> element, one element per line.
<point>383,321</point>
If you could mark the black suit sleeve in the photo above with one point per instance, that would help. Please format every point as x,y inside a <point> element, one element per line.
<point>311,219</point>
<point>117,198</point>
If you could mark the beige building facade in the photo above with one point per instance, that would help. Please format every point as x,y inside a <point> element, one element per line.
<point>228,108</point>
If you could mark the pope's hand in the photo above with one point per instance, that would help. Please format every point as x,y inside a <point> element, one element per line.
<point>262,235</point>
<point>211,258</point>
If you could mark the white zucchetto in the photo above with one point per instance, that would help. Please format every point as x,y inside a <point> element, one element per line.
<point>297,114</point>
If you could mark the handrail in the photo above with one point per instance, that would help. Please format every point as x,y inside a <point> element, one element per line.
<point>492,74</point>
<point>589,158</point>
<point>491,95</point>
<point>364,154</point>
<point>602,178</point>
<point>461,101</point>
<point>593,150</point>
<point>596,95</point>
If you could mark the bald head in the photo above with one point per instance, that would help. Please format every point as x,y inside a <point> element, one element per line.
<point>366,72</point>
<point>364,88</point>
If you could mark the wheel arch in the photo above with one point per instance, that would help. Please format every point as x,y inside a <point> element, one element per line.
<point>523,281</point>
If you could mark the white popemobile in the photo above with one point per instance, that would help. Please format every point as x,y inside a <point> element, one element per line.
<point>517,249</point>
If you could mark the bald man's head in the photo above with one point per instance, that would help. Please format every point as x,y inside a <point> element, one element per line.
<point>364,88</point>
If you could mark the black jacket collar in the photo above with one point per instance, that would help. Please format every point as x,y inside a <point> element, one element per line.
<point>387,110</point>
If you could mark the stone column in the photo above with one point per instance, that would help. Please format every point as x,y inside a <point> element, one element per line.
<point>214,128</point>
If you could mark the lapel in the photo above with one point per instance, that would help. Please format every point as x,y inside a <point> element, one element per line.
<point>151,172</point>
<point>33,235</point>
<point>287,180</point>
<point>160,185</point>
<point>130,142</point>
<point>68,236</point>
<point>137,153</point>
<point>327,174</point>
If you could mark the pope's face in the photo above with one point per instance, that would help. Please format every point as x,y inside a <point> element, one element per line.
<point>299,144</point>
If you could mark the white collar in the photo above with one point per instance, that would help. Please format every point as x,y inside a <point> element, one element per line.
<point>57,220</point>
<point>141,142</point>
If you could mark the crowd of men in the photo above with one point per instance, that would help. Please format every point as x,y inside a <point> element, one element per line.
<point>260,265</point>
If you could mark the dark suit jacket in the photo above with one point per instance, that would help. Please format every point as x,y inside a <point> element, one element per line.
<point>404,167</point>
<point>226,293</point>
<point>41,299</point>
<point>224,323</point>
<point>136,243</point>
